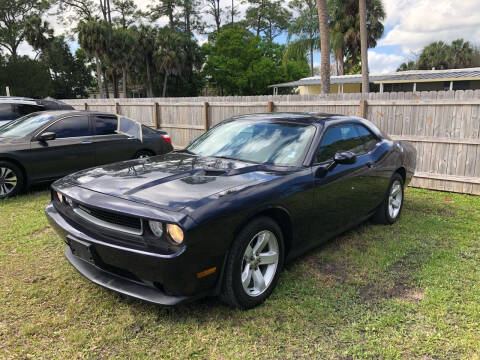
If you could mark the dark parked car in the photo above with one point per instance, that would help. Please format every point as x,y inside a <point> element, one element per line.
<point>12,108</point>
<point>223,216</point>
<point>44,146</point>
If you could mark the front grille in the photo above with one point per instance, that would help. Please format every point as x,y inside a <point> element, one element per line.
<point>112,218</point>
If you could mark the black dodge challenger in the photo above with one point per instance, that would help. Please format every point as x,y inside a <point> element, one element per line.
<point>222,216</point>
<point>43,146</point>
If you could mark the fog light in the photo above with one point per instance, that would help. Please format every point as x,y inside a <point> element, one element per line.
<point>175,232</point>
<point>156,227</point>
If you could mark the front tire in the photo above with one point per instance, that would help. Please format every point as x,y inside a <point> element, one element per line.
<point>254,264</point>
<point>12,180</point>
<point>391,207</point>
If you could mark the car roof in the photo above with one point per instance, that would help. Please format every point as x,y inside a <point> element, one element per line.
<point>17,100</point>
<point>57,113</point>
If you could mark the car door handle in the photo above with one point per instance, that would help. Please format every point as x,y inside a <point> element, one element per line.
<point>86,142</point>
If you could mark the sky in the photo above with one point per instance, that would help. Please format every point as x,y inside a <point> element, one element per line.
<point>409,26</point>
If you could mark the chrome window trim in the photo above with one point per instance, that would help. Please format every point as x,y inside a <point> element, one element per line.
<point>107,225</point>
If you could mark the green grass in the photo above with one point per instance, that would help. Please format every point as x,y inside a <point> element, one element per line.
<point>411,290</point>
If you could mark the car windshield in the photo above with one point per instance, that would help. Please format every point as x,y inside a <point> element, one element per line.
<point>264,142</point>
<point>25,125</point>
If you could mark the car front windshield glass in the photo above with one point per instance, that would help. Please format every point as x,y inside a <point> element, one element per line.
<point>264,142</point>
<point>25,125</point>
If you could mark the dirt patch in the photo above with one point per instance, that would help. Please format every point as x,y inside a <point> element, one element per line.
<point>337,270</point>
<point>42,232</point>
<point>431,208</point>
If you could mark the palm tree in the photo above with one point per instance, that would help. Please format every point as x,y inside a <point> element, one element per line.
<point>362,6</point>
<point>93,37</point>
<point>324,45</point>
<point>125,45</point>
<point>168,55</point>
<point>461,53</point>
<point>38,33</point>
<point>345,31</point>
<point>306,30</point>
<point>436,55</point>
<point>146,43</point>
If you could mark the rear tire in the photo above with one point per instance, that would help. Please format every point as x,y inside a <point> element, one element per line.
<point>254,264</point>
<point>12,180</point>
<point>391,208</point>
<point>143,154</point>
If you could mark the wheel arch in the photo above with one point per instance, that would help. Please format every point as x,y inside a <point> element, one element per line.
<point>402,172</point>
<point>18,164</point>
<point>278,214</point>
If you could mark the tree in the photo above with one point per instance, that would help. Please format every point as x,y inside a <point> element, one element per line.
<point>345,31</point>
<point>259,66</point>
<point>214,9</point>
<point>410,65</point>
<point>127,13</point>
<point>125,45</point>
<point>14,16</point>
<point>94,36</point>
<point>146,45</point>
<point>190,16</point>
<point>305,29</point>
<point>267,17</point>
<point>364,45</point>
<point>38,33</point>
<point>168,55</point>
<point>165,8</point>
<point>324,45</point>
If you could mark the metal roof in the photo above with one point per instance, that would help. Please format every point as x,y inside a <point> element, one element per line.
<point>434,75</point>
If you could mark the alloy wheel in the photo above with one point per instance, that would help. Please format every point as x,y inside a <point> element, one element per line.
<point>395,199</point>
<point>260,262</point>
<point>8,181</point>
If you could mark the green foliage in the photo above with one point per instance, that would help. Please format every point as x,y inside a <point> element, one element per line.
<point>259,65</point>
<point>441,56</point>
<point>344,23</point>
<point>25,77</point>
<point>267,17</point>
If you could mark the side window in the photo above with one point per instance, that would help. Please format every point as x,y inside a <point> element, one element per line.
<point>7,113</point>
<point>339,138</point>
<point>75,126</point>
<point>368,139</point>
<point>24,109</point>
<point>105,125</point>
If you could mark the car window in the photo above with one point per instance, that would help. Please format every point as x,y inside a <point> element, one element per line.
<point>130,127</point>
<point>7,113</point>
<point>368,139</point>
<point>105,125</point>
<point>339,138</point>
<point>24,109</point>
<point>74,126</point>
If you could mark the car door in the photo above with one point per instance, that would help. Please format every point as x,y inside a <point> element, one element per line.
<point>72,150</point>
<point>342,193</point>
<point>110,146</point>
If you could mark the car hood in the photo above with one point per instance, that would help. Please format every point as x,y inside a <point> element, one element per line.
<point>172,181</point>
<point>13,143</point>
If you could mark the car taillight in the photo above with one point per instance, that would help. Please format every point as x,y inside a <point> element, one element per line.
<point>166,137</point>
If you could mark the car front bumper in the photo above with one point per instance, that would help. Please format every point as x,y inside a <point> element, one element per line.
<point>156,278</point>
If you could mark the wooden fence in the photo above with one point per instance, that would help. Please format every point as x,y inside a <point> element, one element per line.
<point>443,126</point>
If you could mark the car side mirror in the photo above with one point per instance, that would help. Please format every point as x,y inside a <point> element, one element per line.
<point>345,157</point>
<point>46,136</point>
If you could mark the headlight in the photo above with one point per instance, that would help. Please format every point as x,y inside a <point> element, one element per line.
<point>60,197</point>
<point>156,227</point>
<point>175,232</point>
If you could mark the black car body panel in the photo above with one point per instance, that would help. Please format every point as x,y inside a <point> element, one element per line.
<point>43,161</point>
<point>211,199</point>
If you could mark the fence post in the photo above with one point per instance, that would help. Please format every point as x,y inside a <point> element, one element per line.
<point>117,108</point>
<point>205,116</point>
<point>363,108</point>
<point>85,105</point>
<point>270,106</point>
<point>156,117</point>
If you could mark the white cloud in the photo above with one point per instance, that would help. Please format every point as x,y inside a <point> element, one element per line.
<point>383,63</point>
<point>417,23</point>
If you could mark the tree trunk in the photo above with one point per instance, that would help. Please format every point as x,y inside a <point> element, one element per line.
<point>164,92</point>
<point>324,45</point>
<point>339,60</point>
<point>105,82</point>
<point>149,80</point>
<point>115,85</point>
<point>124,82</point>
<point>311,58</point>
<point>362,6</point>
<point>99,75</point>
